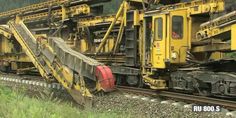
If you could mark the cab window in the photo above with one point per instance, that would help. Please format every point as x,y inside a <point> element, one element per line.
<point>159,29</point>
<point>177,27</point>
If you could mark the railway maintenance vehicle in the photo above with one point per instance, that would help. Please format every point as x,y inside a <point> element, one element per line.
<point>163,45</point>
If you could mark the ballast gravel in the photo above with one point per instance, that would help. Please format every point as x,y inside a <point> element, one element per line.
<point>133,106</point>
<point>136,107</point>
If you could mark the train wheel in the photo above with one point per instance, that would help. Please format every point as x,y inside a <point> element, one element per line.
<point>141,82</point>
<point>200,90</point>
<point>119,80</point>
<point>133,80</point>
<point>204,93</point>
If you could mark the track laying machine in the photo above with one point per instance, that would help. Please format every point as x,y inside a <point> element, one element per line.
<point>164,45</point>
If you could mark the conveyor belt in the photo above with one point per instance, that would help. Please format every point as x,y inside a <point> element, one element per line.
<point>217,27</point>
<point>56,60</point>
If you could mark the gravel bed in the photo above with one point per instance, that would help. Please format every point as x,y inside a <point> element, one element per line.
<point>138,108</point>
<point>122,103</point>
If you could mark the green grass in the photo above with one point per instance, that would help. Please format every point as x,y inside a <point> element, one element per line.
<point>230,55</point>
<point>15,104</point>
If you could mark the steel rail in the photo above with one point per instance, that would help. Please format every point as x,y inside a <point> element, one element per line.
<point>228,104</point>
<point>36,81</point>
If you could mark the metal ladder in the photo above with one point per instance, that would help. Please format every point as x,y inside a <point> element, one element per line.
<point>130,40</point>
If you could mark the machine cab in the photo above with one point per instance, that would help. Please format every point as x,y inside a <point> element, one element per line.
<point>169,38</point>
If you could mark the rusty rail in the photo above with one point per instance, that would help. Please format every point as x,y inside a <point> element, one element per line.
<point>228,104</point>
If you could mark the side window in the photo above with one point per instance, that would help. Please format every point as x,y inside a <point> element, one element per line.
<point>158,29</point>
<point>177,27</point>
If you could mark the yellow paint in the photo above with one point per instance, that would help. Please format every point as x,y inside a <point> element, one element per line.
<point>158,84</point>
<point>97,19</point>
<point>216,55</point>
<point>179,46</point>
<point>167,49</point>
<point>118,14</point>
<point>64,13</point>
<point>83,45</point>
<point>27,50</point>
<point>233,37</point>
<point>110,44</point>
<point>158,48</point>
<point>61,13</point>
<point>136,17</point>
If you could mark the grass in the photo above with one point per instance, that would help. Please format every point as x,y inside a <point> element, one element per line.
<point>230,55</point>
<point>15,104</point>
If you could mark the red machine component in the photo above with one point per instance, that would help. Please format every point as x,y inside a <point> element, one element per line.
<point>105,78</point>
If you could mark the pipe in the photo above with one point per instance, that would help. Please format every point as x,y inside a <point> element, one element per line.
<point>119,37</point>
<point>110,28</point>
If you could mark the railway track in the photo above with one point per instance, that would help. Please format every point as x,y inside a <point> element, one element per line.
<point>29,80</point>
<point>201,100</point>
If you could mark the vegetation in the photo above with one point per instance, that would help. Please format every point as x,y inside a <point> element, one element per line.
<point>230,55</point>
<point>13,4</point>
<point>14,104</point>
<point>6,5</point>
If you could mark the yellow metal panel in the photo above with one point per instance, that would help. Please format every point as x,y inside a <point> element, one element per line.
<point>7,46</point>
<point>157,84</point>
<point>195,10</point>
<point>106,47</point>
<point>83,45</point>
<point>196,6</point>
<point>158,55</point>
<point>96,20</point>
<point>190,30</point>
<point>64,13</point>
<point>168,37</point>
<point>110,44</point>
<point>233,37</point>
<point>216,55</point>
<point>126,7</point>
<point>5,33</point>
<point>179,46</point>
<point>212,47</point>
<point>136,17</point>
<point>60,13</point>
<point>221,6</point>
